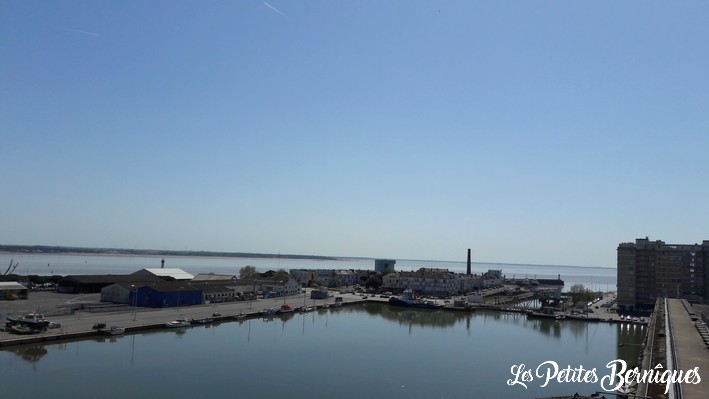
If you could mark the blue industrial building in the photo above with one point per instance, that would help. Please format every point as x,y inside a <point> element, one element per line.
<point>165,294</point>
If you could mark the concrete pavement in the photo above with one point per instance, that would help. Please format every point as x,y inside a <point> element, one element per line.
<point>690,349</point>
<point>80,323</point>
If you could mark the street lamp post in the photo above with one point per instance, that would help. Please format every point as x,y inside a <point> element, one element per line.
<point>134,291</point>
<point>253,294</point>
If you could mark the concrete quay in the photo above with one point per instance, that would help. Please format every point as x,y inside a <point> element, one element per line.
<point>673,342</point>
<point>690,349</point>
<point>79,325</point>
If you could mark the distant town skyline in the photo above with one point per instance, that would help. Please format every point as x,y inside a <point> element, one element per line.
<point>530,132</point>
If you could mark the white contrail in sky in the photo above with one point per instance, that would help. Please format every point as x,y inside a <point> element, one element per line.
<point>276,10</point>
<point>81,31</point>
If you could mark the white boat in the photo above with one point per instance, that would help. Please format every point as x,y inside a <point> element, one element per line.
<point>268,312</point>
<point>113,330</point>
<point>178,322</point>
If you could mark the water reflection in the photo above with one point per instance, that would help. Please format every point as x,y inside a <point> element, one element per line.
<point>286,316</point>
<point>110,338</point>
<point>455,355</point>
<point>416,317</point>
<point>629,337</point>
<point>32,354</point>
<point>548,327</point>
<point>449,319</point>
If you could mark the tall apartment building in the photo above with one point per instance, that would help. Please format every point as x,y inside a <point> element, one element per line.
<point>652,269</point>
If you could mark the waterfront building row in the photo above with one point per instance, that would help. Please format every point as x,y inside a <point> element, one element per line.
<point>440,282</point>
<point>330,277</point>
<point>648,270</point>
<point>429,281</point>
<point>184,293</point>
<point>165,287</point>
<point>89,283</point>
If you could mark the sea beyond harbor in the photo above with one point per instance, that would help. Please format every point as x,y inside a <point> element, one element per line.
<point>595,278</point>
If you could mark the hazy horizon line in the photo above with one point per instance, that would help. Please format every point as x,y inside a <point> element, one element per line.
<point>262,254</point>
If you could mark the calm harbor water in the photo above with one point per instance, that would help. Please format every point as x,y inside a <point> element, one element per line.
<point>370,351</point>
<point>597,278</point>
<point>361,351</point>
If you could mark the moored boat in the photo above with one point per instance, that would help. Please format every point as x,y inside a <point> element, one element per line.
<point>409,299</point>
<point>285,308</point>
<point>33,320</point>
<point>268,312</point>
<point>540,315</point>
<point>206,320</point>
<point>178,322</point>
<point>113,330</point>
<point>21,329</point>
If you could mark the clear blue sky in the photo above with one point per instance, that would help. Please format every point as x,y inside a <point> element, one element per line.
<point>530,131</point>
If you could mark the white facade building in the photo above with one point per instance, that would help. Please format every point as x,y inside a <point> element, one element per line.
<point>439,282</point>
<point>325,277</point>
<point>290,287</point>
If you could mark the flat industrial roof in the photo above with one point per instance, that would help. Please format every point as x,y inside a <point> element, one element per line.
<point>177,274</point>
<point>11,285</point>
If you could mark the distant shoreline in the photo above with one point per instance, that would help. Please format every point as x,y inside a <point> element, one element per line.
<point>63,250</point>
<point>46,249</point>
